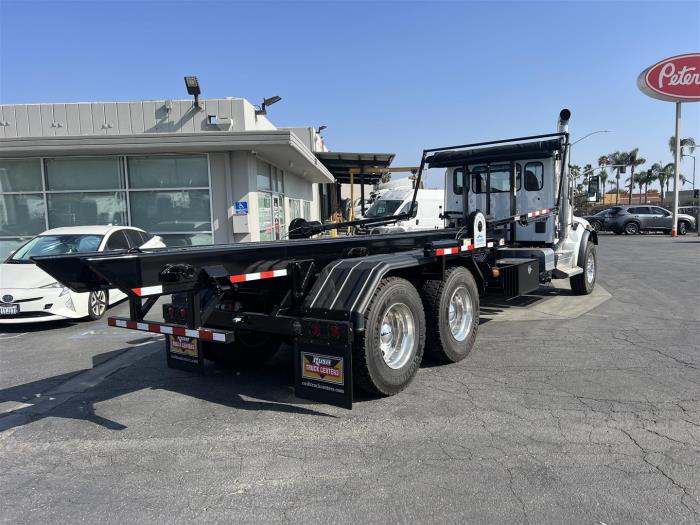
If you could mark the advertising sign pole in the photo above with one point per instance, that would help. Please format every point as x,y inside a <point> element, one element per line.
<point>675,79</point>
<point>677,163</point>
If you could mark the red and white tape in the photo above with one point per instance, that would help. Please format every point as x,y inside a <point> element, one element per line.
<point>206,335</point>
<point>537,213</point>
<point>244,277</point>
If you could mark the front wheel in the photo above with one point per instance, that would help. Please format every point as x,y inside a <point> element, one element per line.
<point>389,352</point>
<point>97,304</point>
<point>583,283</point>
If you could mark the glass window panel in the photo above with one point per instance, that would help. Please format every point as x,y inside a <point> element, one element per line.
<point>168,171</point>
<point>458,178</point>
<point>117,241</point>
<point>280,221</point>
<point>22,214</point>
<point>534,176</point>
<point>81,209</point>
<point>89,173</point>
<point>7,246</point>
<point>186,239</point>
<point>263,178</point>
<point>265,216</point>
<point>171,211</point>
<point>20,175</point>
<point>294,208</point>
<point>307,210</point>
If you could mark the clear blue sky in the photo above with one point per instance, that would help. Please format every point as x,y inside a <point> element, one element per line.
<point>383,76</point>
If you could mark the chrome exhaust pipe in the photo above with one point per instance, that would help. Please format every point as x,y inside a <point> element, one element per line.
<point>563,122</point>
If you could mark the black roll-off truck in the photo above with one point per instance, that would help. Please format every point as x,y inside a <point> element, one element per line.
<point>361,311</point>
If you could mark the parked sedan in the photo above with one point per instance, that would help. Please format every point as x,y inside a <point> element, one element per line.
<point>600,221</point>
<point>632,219</point>
<point>28,294</point>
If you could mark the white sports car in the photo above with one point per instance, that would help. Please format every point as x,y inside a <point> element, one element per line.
<point>28,294</point>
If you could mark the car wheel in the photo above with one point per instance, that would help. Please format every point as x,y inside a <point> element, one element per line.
<point>631,228</point>
<point>682,228</point>
<point>97,304</point>
<point>596,225</point>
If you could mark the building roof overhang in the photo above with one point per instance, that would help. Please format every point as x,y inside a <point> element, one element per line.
<point>281,147</point>
<point>340,164</point>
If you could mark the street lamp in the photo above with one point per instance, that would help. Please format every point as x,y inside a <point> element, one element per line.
<point>192,84</point>
<point>591,133</point>
<point>262,110</point>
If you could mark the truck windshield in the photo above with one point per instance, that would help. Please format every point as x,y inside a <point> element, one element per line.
<point>383,208</point>
<point>55,245</point>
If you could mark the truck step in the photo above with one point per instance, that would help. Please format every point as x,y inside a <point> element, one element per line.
<point>566,272</point>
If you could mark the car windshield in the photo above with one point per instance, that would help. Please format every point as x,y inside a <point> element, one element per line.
<point>616,210</point>
<point>56,245</point>
<point>383,208</point>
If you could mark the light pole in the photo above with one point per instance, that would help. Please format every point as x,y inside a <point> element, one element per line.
<point>693,157</point>
<point>586,136</point>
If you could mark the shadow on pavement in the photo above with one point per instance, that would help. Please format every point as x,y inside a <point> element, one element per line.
<point>267,388</point>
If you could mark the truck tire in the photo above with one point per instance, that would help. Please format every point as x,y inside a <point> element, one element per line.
<point>583,283</point>
<point>389,352</point>
<point>247,351</point>
<point>451,314</point>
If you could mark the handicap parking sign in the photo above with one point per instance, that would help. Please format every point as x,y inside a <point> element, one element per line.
<point>240,207</point>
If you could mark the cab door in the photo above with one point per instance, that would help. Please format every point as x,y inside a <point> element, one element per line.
<point>536,192</point>
<point>490,189</point>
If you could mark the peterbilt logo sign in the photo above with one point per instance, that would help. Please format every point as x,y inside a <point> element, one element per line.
<point>676,79</point>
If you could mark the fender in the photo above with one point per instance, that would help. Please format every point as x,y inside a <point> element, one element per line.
<point>345,286</point>
<point>587,235</point>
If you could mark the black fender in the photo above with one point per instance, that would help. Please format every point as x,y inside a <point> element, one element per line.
<point>345,287</point>
<point>588,235</point>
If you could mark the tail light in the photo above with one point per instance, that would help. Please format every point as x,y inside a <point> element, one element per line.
<point>315,329</point>
<point>334,331</point>
<point>183,314</point>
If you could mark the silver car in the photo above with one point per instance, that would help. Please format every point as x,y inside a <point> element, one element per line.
<point>631,219</point>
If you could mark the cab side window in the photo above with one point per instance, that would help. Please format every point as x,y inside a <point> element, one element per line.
<point>534,176</point>
<point>457,180</point>
<point>117,241</point>
<point>499,176</point>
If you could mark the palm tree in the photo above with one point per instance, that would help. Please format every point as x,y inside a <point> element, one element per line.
<point>634,160</point>
<point>646,177</point>
<point>602,162</point>
<point>662,174</point>
<point>688,142</point>
<point>618,159</point>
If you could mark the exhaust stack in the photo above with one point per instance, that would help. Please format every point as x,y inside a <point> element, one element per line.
<point>563,122</point>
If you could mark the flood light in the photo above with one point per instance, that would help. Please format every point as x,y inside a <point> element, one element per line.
<point>192,85</point>
<point>262,109</point>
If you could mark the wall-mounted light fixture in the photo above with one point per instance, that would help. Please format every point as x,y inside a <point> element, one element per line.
<point>192,84</point>
<point>320,129</point>
<point>262,108</point>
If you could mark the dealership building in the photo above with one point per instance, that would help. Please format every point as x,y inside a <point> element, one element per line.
<point>211,171</point>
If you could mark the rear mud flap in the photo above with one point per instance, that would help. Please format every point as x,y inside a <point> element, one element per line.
<point>323,372</point>
<point>184,353</point>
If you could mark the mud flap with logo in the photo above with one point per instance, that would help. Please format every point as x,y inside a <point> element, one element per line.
<point>323,372</point>
<point>184,353</point>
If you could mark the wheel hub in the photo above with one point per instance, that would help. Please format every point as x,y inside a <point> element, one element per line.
<point>397,335</point>
<point>460,315</point>
<point>590,269</point>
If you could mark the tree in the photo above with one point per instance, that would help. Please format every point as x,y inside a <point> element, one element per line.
<point>618,159</point>
<point>602,162</point>
<point>688,143</point>
<point>634,160</point>
<point>575,171</point>
<point>662,174</point>
<point>646,177</point>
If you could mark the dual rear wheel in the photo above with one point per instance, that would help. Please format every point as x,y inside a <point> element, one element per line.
<point>401,324</point>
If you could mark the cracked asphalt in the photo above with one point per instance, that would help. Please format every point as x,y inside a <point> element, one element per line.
<point>594,419</point>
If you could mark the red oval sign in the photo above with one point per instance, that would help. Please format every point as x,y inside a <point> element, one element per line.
<point>676,79</point>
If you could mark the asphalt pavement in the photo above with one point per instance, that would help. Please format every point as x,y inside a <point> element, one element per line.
<point>564,413</point>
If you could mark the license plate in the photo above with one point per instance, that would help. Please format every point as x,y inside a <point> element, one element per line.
<point>9,309</point>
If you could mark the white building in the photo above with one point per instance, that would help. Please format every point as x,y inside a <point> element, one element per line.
<point>217,172</point>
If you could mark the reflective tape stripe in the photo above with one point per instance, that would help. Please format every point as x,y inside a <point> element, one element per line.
<point>206,335</point>
<point>446,251</point>
<point>257,276</point>
<point>148,290</point>
<point>489,245</point>
<point>467,247</point>
<point>537,213</point>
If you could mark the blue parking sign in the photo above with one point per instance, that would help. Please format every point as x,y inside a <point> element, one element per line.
<point>240,207</point>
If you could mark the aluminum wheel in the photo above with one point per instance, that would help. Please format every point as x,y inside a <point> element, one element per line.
<point>460,313</point>
<point>590,268</point>
<point>98,303</point>
<point>397,338</point>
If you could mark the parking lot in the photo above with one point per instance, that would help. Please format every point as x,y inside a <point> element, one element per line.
<point>586,415</point>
